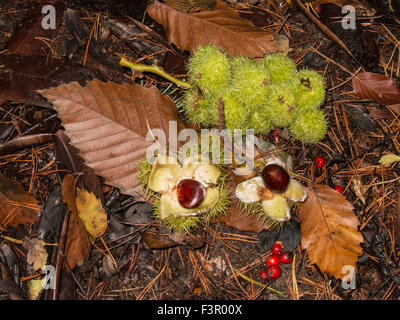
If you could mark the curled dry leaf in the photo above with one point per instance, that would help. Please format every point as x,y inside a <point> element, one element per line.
<point>16,205</point>
<point>222,27</point>
<point>377,87</point>
<point>77,245</point>
<point>329,231</point>
<point>37,254</point>
<point>109,123</point>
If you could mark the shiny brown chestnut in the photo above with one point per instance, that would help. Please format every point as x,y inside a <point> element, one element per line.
<point>275,178</point>
<point>191,193</point>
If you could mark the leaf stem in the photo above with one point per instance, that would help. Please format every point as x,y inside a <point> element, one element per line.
<point>153,69</point>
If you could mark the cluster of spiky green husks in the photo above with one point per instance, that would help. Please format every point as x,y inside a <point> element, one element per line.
<point>261,95</point>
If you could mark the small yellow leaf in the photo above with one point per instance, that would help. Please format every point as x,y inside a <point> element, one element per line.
<point>91,213</point>
<point>35,287</point>
<point>388,159</point>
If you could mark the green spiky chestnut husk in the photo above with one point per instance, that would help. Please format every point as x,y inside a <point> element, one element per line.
<point>259,122</point>
<point>235,113</point>
<point>250,81</point>
<point>209,69</point>
<point>200,110</point>
<point>281,68</point>
<point>311,89</point>
<point>279,105</point>
<point>309,126</point>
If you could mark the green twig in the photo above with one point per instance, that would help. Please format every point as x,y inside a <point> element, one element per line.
<point>258,283</point>
<point>153,69</point>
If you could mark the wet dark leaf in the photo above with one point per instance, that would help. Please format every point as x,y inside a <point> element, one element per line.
<point>289,235</point>
<point>22,75</point>
<point>53,213</point>
<point>27,40</point>
<point>157,241</point>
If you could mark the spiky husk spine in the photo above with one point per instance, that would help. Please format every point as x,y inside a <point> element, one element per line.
<point>259,122</point>
<point>281,68</point>
<point>209,69</point>
<point>255,208</point>
<point>310,92</point>
<point>309,126</point>
<point>236,115</point>
<point>250,81</point>
<point>199,109</point>
<point>280,104</point>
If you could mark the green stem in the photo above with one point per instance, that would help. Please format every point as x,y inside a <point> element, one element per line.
<point>258,283</point>
<point>153,69</point>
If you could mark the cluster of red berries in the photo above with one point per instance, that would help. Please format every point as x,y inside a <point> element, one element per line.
<point>273,271</point>
<point>320,162</point>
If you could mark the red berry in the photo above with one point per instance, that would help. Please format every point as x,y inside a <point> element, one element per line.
<point>275,178</point>
<point>191,193</point>
<point>317,9</point>
<point>319,162</point>
<point>263,275</point>
<point>339,189</point>
<point>276,249</point>
<point>286,257</point>
<point>273,272</point>
<point>272,260</point>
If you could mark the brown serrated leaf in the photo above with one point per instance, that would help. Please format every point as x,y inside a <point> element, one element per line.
<point>77,245</point>
<point>377,87</point>
<point>16,205</point>
<point>222,27</point>
<point>109,122</point>
<point>329,230</point>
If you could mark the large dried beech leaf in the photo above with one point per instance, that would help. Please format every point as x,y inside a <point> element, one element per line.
<point>377,87</point>
<point>222,27</point>
<point>329,230</point>
<point>16,205</point>
<point>109,122</point>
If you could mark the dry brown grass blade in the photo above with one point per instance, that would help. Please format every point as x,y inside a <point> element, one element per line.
<point>222,27</point>
<point>329,230</point>
<point>108,123</point>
